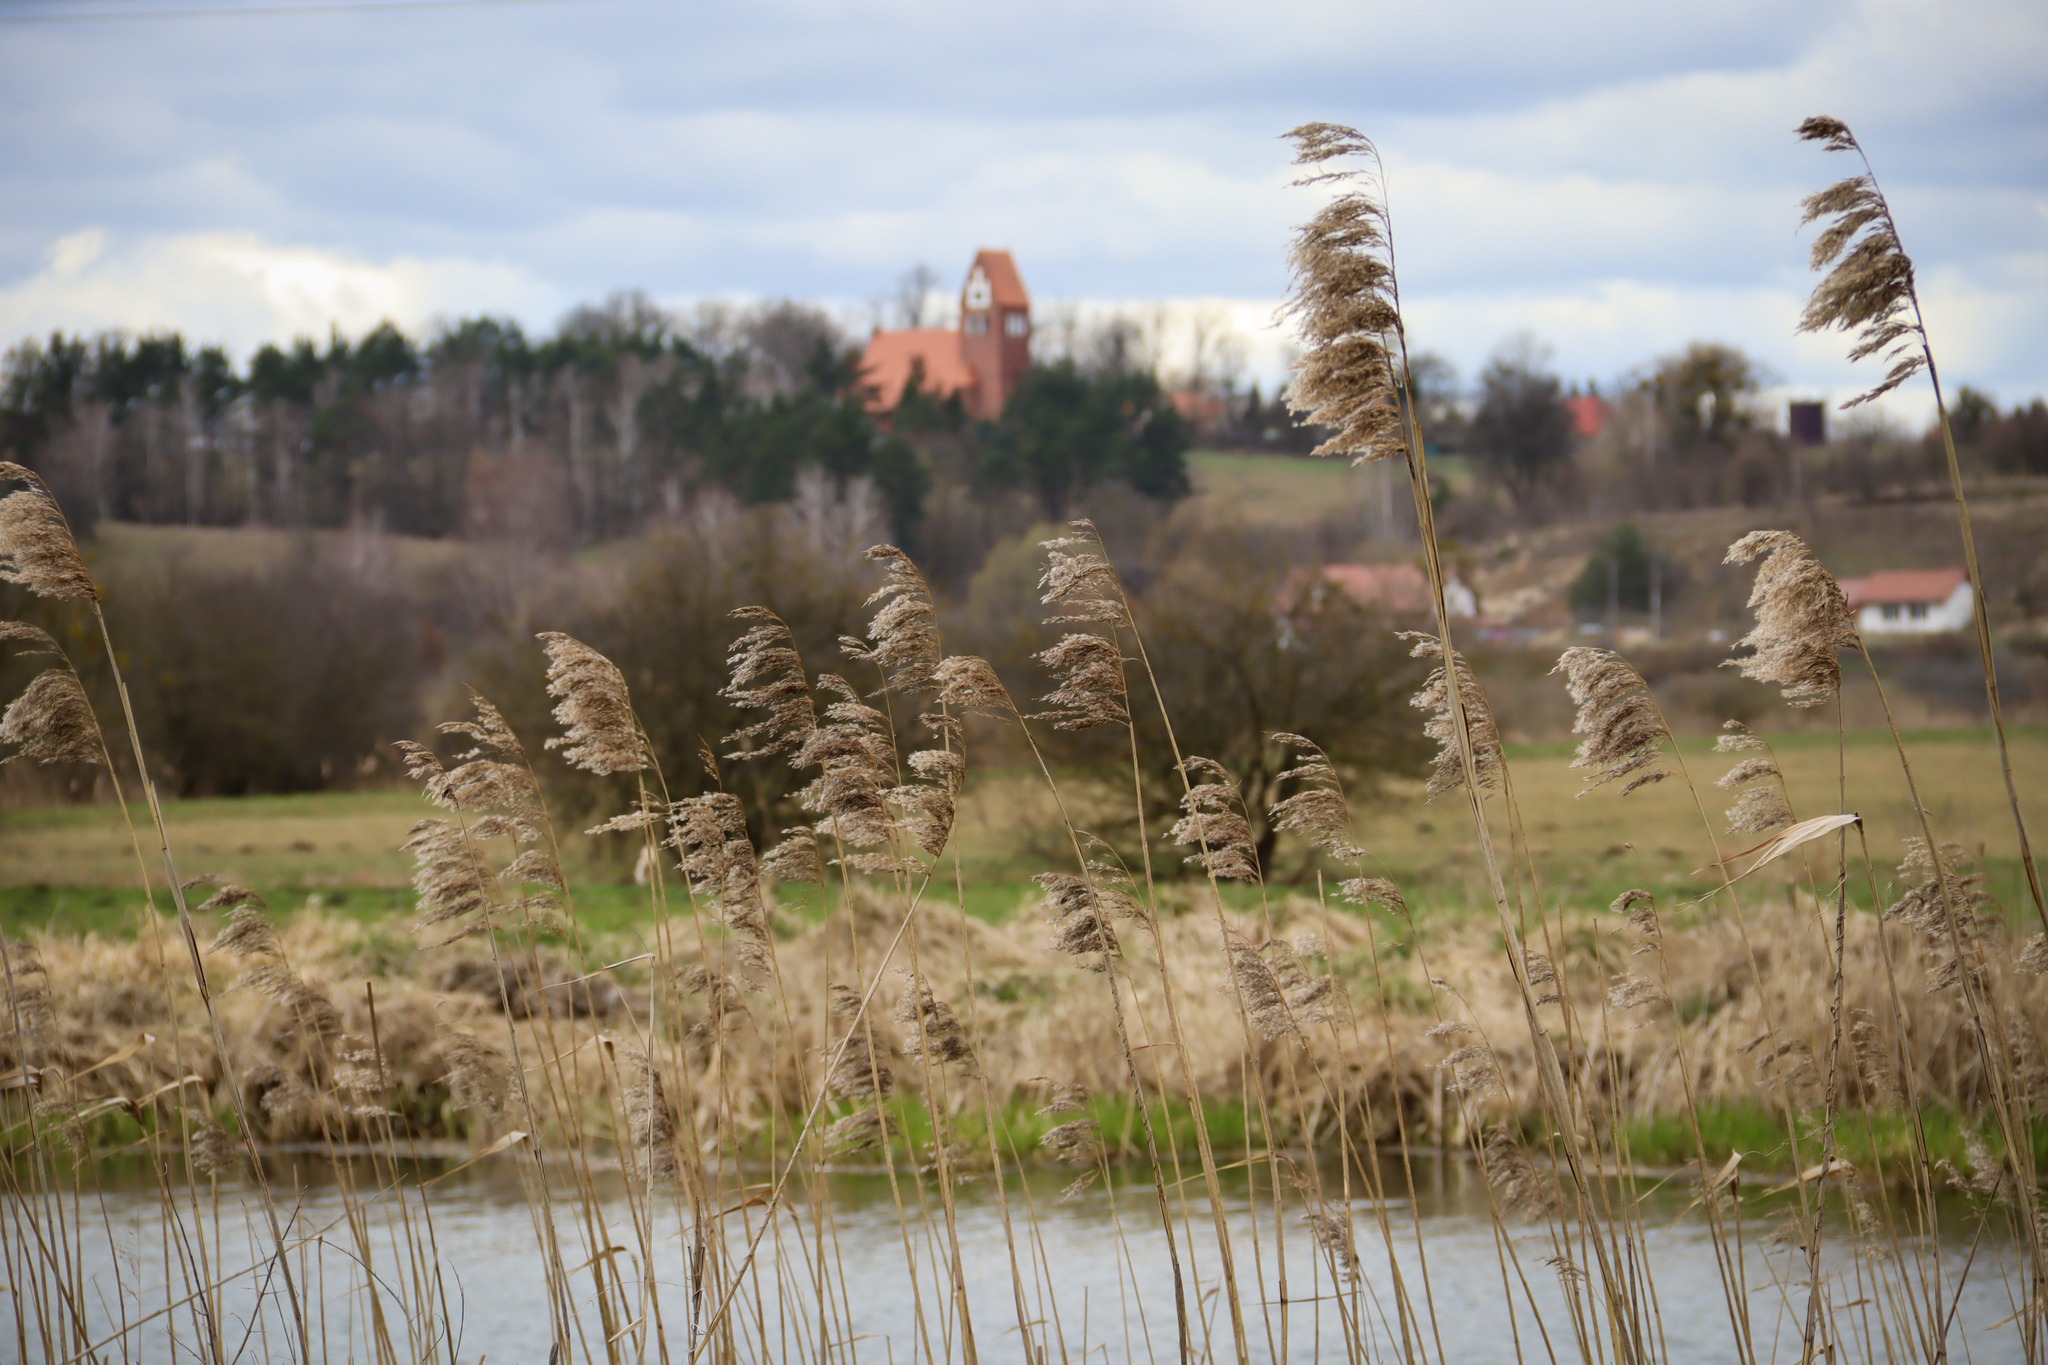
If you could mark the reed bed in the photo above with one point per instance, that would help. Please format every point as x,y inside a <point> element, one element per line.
<point>1246,1082</point>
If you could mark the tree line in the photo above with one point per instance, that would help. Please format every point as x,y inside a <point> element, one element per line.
<point>625,412</point>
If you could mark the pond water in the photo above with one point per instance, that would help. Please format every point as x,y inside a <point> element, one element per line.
<point>1097,1280</point>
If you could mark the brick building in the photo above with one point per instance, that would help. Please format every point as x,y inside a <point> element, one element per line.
<point>981,360</point>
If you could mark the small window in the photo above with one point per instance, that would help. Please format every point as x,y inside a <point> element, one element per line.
<point>1891,613</point>
<point>977,324</point>
<point>1016,325</point>
<point>1918,611</point>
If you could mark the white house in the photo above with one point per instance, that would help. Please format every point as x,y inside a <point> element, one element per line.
<point>1910,601</point>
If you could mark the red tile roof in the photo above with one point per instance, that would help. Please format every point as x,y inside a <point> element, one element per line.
<point>1903,586</point>
<point>886,366</point>
<point>1588,412</point>
<point>1399,588</point>
<point>1004,283</point>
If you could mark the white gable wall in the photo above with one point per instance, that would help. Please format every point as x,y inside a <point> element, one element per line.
<point>1917,618</point>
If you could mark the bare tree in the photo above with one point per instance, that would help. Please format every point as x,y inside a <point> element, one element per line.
<point>914,295</point>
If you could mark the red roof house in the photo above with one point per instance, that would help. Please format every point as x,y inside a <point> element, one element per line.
<point>1911,601</point>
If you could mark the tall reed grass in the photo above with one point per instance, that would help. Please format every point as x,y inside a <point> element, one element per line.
<point>1245,1080</point>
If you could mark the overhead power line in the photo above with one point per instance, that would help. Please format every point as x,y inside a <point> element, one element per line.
<point>106,16</point>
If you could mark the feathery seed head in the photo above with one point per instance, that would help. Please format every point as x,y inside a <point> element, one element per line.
<point>767,675</point>
<point>1447,770</point>
<point>861,1071</point>
<point>248,932</point>
<point>1346,301</point>
<point>1618,721</point>
<point>709,833</point>
<point>1761,805</point>
<point>1869,287</point>
<point>211,1151</point>
<point>1737,738</point>
<point>1256,989</point>
<point>1374,891</point>
<point>37,640</point>
<point>1075,1143</point>
<point>1516,1182</point>
<point>1080,915</point>
<point>969,686</point>
<point>931,1030</point>
<point>651,1122</point>
<point>1092,689</point>
<point>1802,619</point>
<point>1213,823</point>
<point>1080,580</point>
<point>858,1132</point>
<point>51,722</point>
<point>1334,1236</point>
<point>447,875</point>
<point>1317,811</point>
<point>904,634</point>
<point>36,548</point>
<point>796,858</point>
<point>600,732</point>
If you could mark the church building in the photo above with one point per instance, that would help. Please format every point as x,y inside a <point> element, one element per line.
<point>981,360</point>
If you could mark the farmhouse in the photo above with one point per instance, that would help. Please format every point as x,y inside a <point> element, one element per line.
<point>1394,589</point>
<point>980,360</point>
<point>1910,601</point>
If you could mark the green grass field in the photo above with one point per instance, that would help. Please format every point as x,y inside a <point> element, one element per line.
<point>70,868</point>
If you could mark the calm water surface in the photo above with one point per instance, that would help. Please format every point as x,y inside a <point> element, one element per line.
<point>1087,1296</point>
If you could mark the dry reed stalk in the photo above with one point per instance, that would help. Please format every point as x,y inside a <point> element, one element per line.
<point>1082,583</point>
<point>1346,296</point>
<point>39,551</point>
<point>1870,290</point>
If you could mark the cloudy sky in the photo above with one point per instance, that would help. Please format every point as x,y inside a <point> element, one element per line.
<point>1613,178</point>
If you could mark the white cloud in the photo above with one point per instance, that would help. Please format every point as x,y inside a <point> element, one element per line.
<point>1614,177</point>
<point>238,290</point>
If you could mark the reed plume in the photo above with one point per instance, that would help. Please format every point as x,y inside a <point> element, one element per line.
<point>796,857</point>
<point>599,731</point>
<point>249,937</point>
<point>1802,619</point>
<point>447,879</point>
<point>926,808</point>
<point>1092,690</point>
<point>1257,989</point>
<point>968,685</point>
<point>1447,769</point>
<point>856,762</point>
<point>1871,290</point>
<point>1080,580</point>
<point>1081,914</point>
<point>1347,302</point>
<point>37,549</point>
<point>709,835</point>
<point>860,1072</point>
<point>931,1030</point>
<point>650,1122</point>
<point>1618,722</point>
<point>1213,825</point>
<point>1868,289</point>
<point>51,722</point>
<point>1517,1184</point>
<point>1317,810</point>
<point>1761,805</point>
<point>1946,904</point>
<point>903,635</point>
<point>766,674</point>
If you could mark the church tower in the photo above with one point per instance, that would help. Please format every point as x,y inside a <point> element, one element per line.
<point>995,331</point>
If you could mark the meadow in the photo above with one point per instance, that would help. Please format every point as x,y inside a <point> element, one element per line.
<point>71,869</point>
